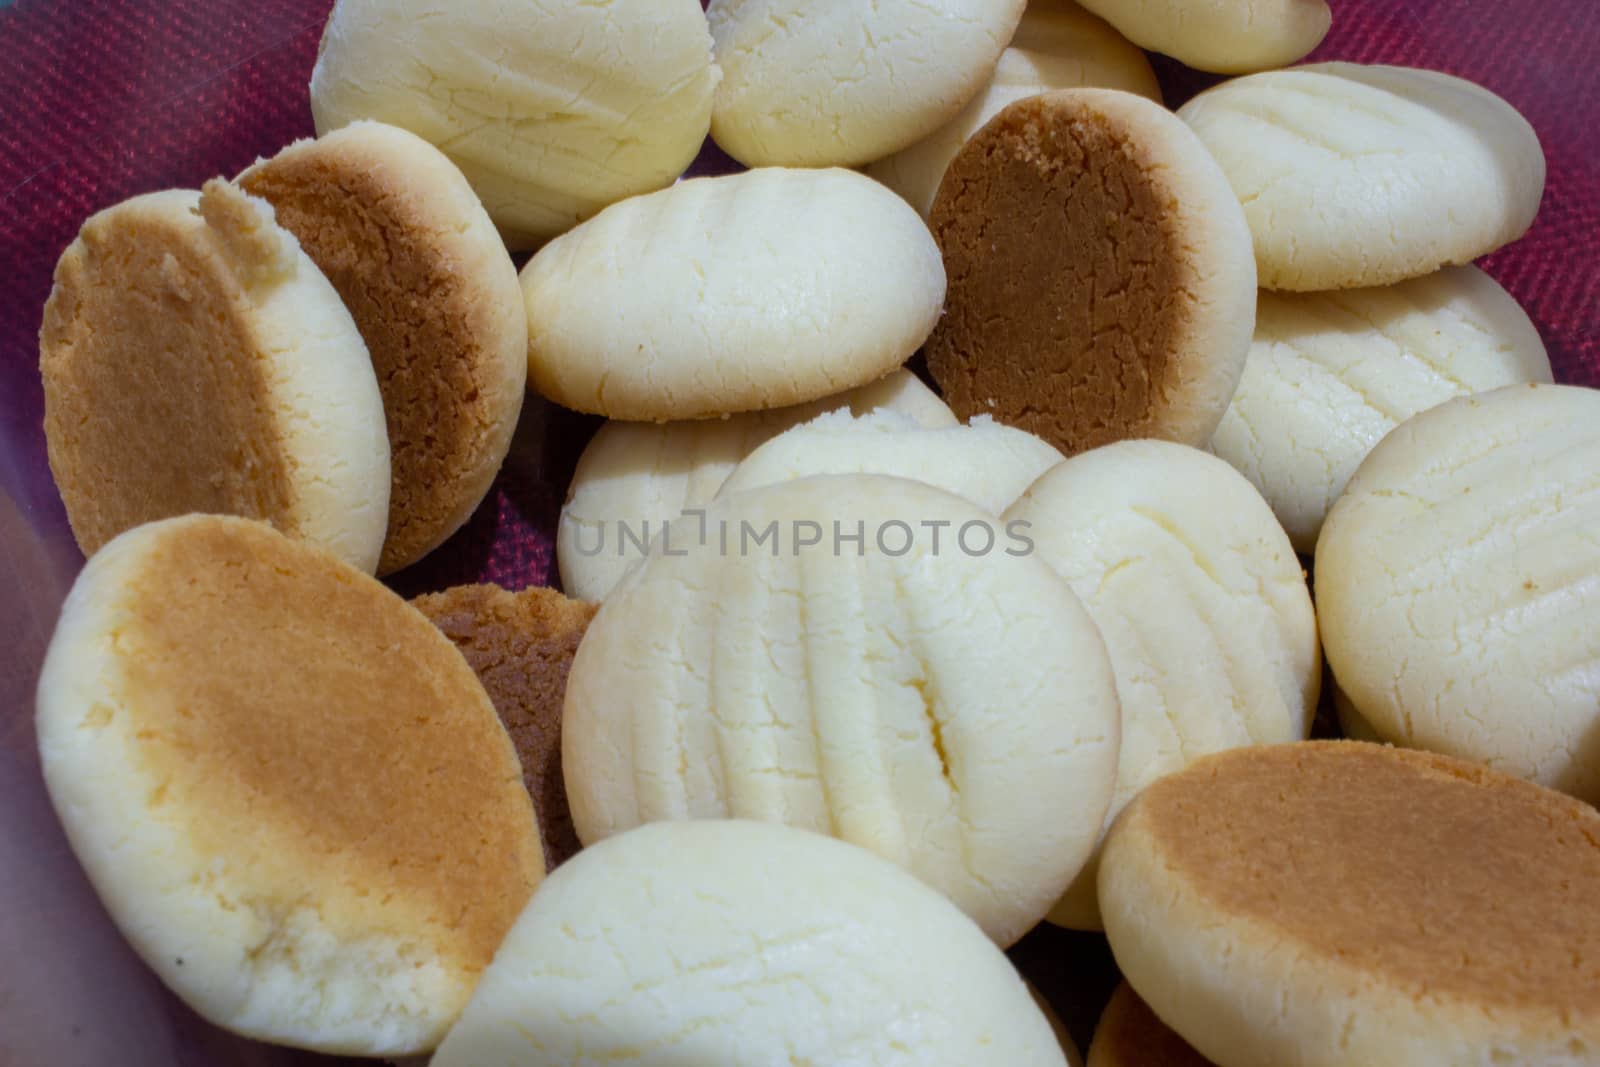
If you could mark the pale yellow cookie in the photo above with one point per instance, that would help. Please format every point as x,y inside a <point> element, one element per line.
<point>739,293</point>
<point>1225,36</point>
<point>195,359</point>
<point>634,477</point>
<point>1458,584</point>
<point>552,111</point>
<point>764,662</point>
<point>287,787</point>
<point>1355,175</point>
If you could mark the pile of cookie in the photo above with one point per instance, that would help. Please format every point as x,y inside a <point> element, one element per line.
<point>854,681</point>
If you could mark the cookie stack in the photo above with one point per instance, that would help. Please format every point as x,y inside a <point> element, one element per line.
<point>854,680</point>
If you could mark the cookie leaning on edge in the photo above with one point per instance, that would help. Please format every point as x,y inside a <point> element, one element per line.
<point>287,787</point>
<point>1100,277</point>
<point>521,645</point>
<point>196,360</point>
<point>402,237</point>
<point>1129,1034</point>
<point>1334,903</point>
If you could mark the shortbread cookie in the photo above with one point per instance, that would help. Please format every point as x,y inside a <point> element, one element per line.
<point>878,689</point>
<point>1357,175</point>
<point>1201,601</point>
<point>195,359</point>
<point>288,789</point>
<point>1335,903</point>
<point>1457,584</point>
<point>552,111</point>
<point>1100,279</point>
<point>634,477</point>
<point>521,645</point>
<point>745,943</point>
<point>1330,373</point>
<point>1058,45</point>
<point>984,462</point>
<point>821,83</point>
<point>1130,1035</point>
<point>730,294</point>
<point>397,230</point>
<point>1225,36</point>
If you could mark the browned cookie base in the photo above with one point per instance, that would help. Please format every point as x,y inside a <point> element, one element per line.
<point>1077,304</point>
<point>521,646</point>
<point>1131,1035</point>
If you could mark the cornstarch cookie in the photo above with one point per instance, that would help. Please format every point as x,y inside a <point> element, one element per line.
<point>1101,284</point>
<point>1330,373</point>
<point>196,360</point>
<point>739,293</point>
<point>1457,584</point>
<point>634,477</point>
<point>397,230</point>
<point>1224,36</point>
<point>1057,45</point>
<point>1130,1035</point>
<point>984,462</point>
<point>1334,902</point>
<point>763,944</point>
<point>883,692</point>
<point>521,645</point>
<point>551,111</point>
<point>820,83</point>
<point>288,789</point>
<point>1200,599</point>
<point>1357,175</point>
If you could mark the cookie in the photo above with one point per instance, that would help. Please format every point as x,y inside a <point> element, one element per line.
<point>1200,599</point>
<point>819,83</point>
<point>288,789</point>
<point>1057,45</point>
<point>551,111</point>
<point>195,359</point>
<point>984,462</point>
<point>1334,903</point>
<point>520,645</point>
<point>1223,36</point>
<point>397,230</point>
<point>720,295</point>
<point>1130,1035</point>
<point>1100,279</point>
<point>762,944</point>
<point>1456,584</point>
<point>1330,374</point>
<point>1356,176</point>
<point>634,477</point>
<point>761,665</point>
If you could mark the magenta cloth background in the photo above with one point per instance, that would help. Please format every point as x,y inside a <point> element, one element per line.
<point>104,99</point>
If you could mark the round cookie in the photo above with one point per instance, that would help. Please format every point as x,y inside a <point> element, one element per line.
<point>288,789</point>
<point>196,360</point>
<point>1130,1035</point>
<point>819,83</point>
<point>1200,599</point>
<point>1357,176</point>
<point>1457,590</point>
<point>881,691</point>
<point>1333,903</point>
<point>397,230</point>
<point>1330,374</point>
<point>520,645</point>
<point>730,294</point>
<point>984,462</point>
<point>763,945</point>
<point>1101,285</point>
<point>551,111</point>
<point>1223,36</point>
<point>636,476</point>
<point>1057,45</point>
